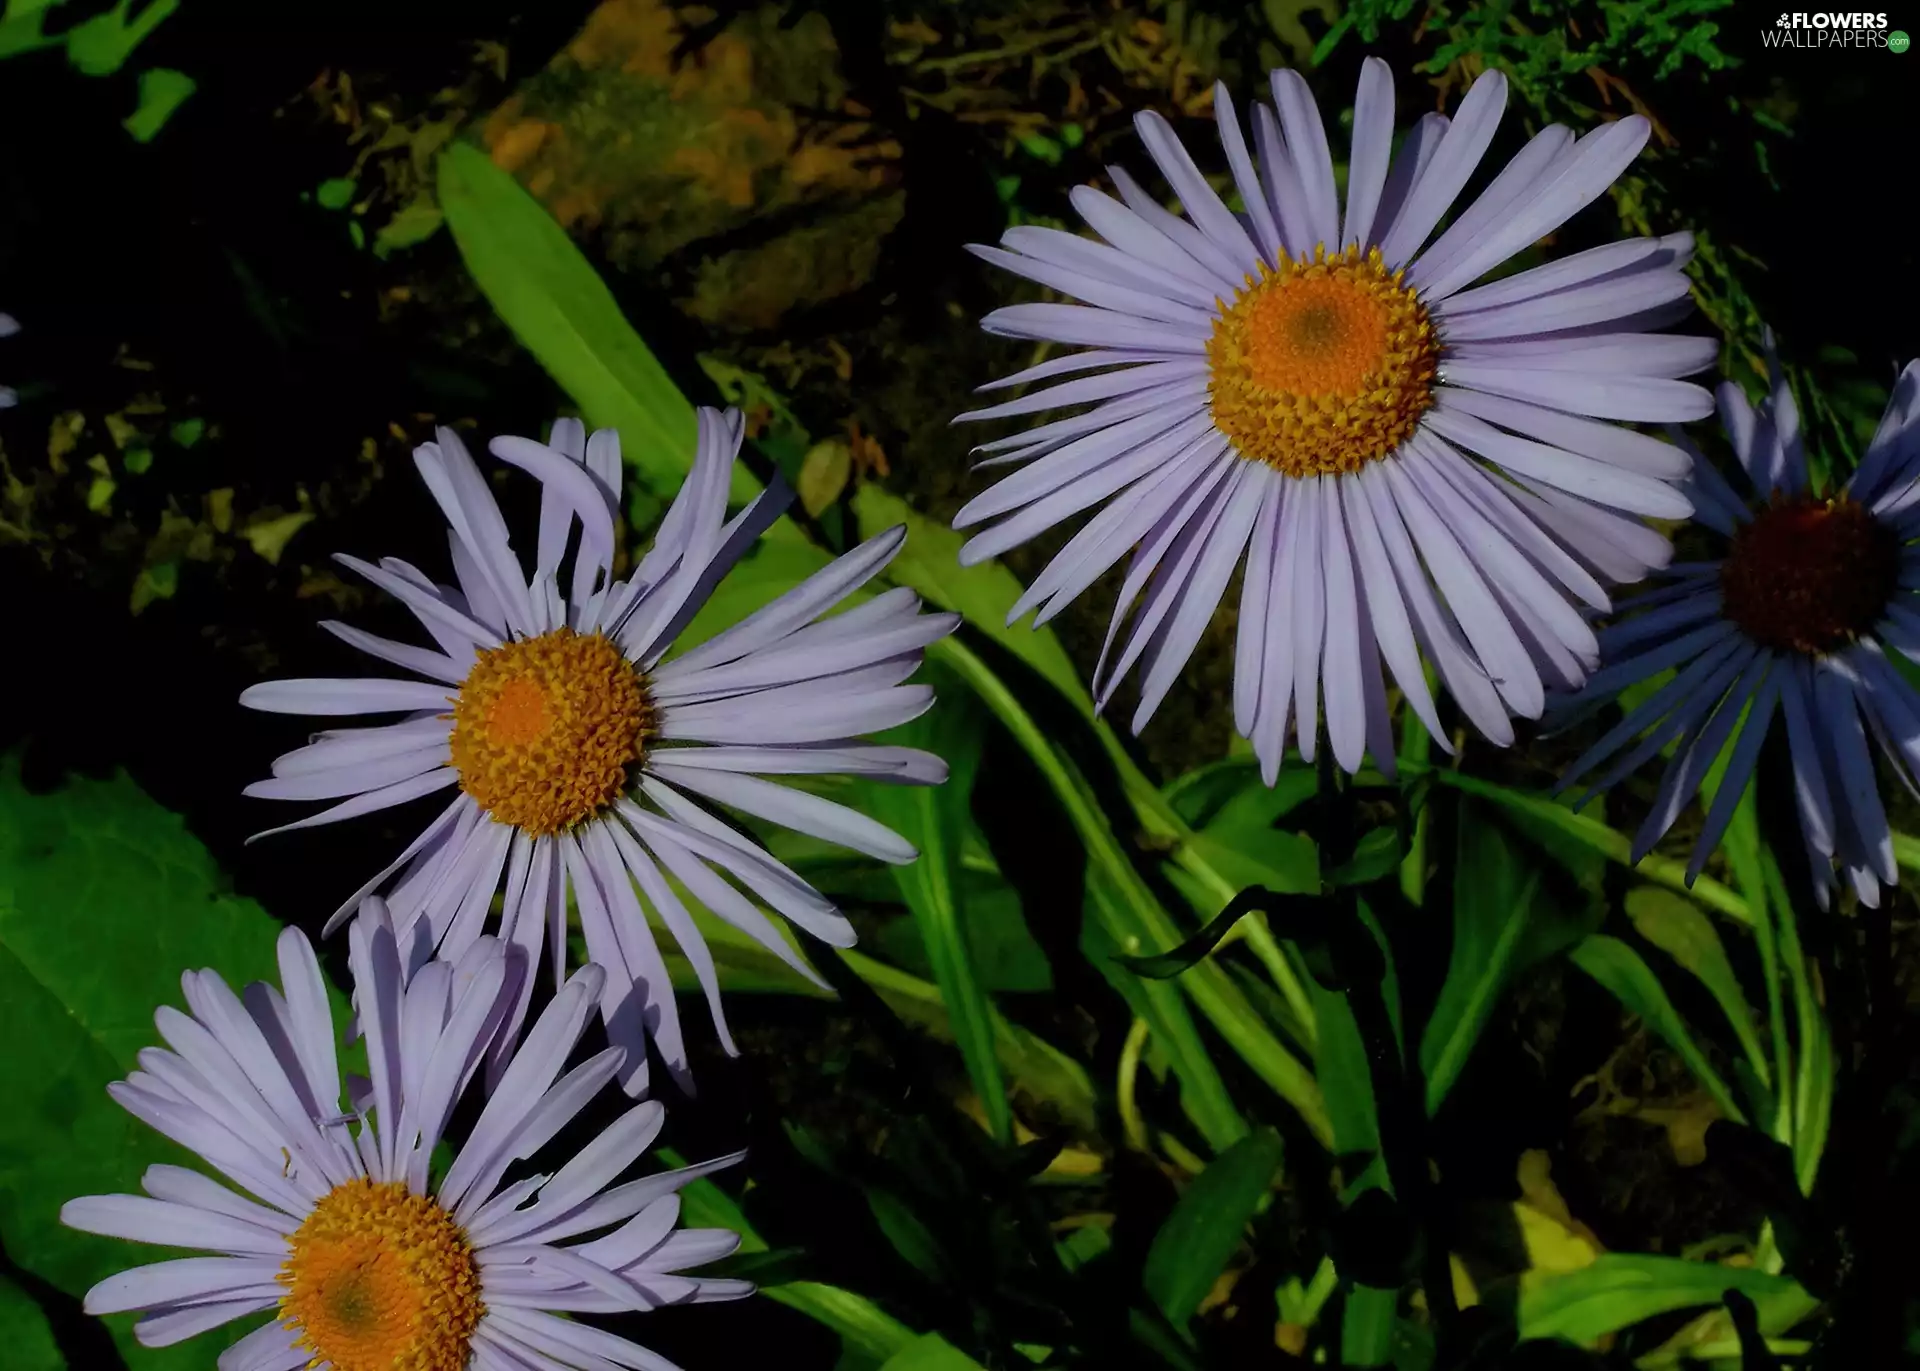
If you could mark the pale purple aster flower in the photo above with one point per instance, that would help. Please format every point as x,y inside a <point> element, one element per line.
<point>329,1220</point>
<point>1406,462</point>
<point>587,761</point>
<point>1797,620</point>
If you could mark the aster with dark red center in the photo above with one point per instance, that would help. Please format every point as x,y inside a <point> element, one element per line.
<point>1797,620</point>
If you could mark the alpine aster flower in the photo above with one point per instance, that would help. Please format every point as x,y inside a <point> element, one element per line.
<point>367,1266</point>
<point>582,758</point>
<point>1796,619</point>
<point>1405,462</point>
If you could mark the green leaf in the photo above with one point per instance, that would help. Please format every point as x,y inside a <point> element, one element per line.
<point>982,595</point>
<point>1623,973</point>
<point>930,1352</point>
<point>1502,924</point>
<point>1610,843</point>
<point>562,312</point>
<point>1376,856</point>
<point>105,899</point>
<point>1618,1290</point>
<point>1682,930</point>
<point>1205,1228</point>
<point>935,819</point>
<point>25,1332</point>
<point>415,222</point>
<point>101,45</point>
<point>335,193</point>
<point>1367,1324</point>
<point>162,92</point>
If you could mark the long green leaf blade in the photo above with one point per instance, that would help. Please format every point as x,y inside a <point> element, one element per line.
<point>1200,1236</point>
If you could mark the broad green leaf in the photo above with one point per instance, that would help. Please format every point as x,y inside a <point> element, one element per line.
<point>1367,1326</point>
<point>25,1332</point>
<point>935,819</point>
<point>1503,922</point>
<point>1005,954</point>
<point>1682,930</point>
<point>1619,1290</point>
<point>105,898</point>
<point>930,1352</point>
<point>1610,843</point>
<point>983,594</point>
<point>1623,973</point>
<point>562,312</point>
<point>1200,1236</point>
<point>861,1324</point>
<point>909,1235</point>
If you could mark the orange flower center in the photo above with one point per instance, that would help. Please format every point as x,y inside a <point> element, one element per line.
<point>381,1279</point>
<point>1809,575</point>
<point>1324,365</point>
<point>547,729</point>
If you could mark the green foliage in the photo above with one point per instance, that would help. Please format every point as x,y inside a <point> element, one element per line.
<point>105,898</point>
<point>1205,1228</point>
<point>1544,42</point>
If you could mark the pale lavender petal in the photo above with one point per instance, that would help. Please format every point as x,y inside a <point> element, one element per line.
<point>1386,610</point>
<point>362,695</point>
<point>1559,274</point>
<point>189,1278</point>
<point>1312,159</point>
<point>1602,442</point>
<point>1442,179</point>
<point>1636,399</point>
<point>1196,241</point>
<point>1266,229</point>
<point>1512,188</point>
<point>1372,147</point>
<point>1594,164</point>
<point>1137,304</point>
<point>564,477</point>
<point>1103,386</point>
<point>139,1219</point>
<point>1146,241</point>
<point>433,665</point>
<point>452,627</point>
<point>1591,480</point>
<point>1087,326</point>
<point>1416,153</point>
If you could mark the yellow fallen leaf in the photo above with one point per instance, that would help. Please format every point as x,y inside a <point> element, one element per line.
<point>269,537</point>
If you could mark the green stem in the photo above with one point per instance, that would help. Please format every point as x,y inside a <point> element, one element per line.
<point>1149,927</point>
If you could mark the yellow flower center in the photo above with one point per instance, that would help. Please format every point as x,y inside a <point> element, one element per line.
<point>381,1279</point>
<point>1324,365</point>
<point>1809,575</point>
<point>546,729</point>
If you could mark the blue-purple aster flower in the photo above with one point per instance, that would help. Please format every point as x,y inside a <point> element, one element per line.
<point>1405,463</point>
<point>329,1219</point>
<point>1795,621</point>
<point>590,766</point>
